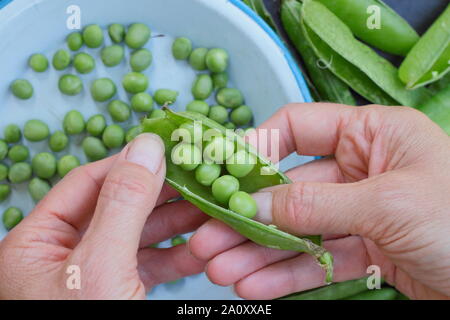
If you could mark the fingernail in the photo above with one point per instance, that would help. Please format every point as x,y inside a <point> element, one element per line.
<point>264,201</point>
<point>147,150</point>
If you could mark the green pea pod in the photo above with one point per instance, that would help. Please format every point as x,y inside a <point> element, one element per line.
<point>335,291</point>
<point>375,23</point>
<point>429,60</point>
<point>201,196</point>
<point>330,87</point>
<point>440,84</point>
<point>380,294</point>
<point>358,65</point>
<point>259,7</point>
<point>438,109</point>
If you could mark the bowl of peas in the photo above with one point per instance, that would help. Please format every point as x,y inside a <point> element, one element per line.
<point>78,77</point>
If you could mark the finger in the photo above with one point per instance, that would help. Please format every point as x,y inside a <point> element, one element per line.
<point>127,197</point>
<point>157,266</point>
<point>305,128</point>
<point>213,238</point>
<point>170,220</point>
<point>322,170</point>
<point>303,273</point>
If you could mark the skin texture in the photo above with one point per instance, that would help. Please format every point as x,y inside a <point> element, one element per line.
<point>381,200</point>
<point>117,202</point>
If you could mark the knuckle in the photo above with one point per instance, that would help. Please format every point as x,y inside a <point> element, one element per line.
<point>298,205</point>
<point>124,189</point>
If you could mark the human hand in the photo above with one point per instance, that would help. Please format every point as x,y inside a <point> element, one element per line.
<point>98,219</point>
<point>383,199</point>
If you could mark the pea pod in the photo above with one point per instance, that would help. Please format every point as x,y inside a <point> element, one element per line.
<point>441,84</point>
<point>358,14</point>
<point>329,87</point>
<point>259,7</point>
<point>429,60</point>
<point>334,291</point>
<point>201,196</point>
<point>359,66</point>
<point>376,294</point>
<point>438,109</point>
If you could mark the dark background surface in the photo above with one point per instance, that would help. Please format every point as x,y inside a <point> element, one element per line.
<point>419,13</point>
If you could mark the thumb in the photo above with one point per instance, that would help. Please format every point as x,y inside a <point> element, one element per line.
<point>127,198</point>
<point>306,208</point>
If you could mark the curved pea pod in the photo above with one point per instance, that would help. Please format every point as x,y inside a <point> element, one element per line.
<point>429,60</point>
<point>438,109</point>
<point>329,87</point>
<point>376,294</point>
<point>202,197</point>
<point>355,63</point>
<point>375,23</point>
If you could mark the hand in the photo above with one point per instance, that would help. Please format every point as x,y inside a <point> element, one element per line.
<point>98,219</point>
<point>383,199</point>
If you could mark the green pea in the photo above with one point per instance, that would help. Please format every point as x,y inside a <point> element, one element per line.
<point>38,62</point>
<point>18,153</point>
<point>35,130</point>
<point>218,114</point>
<point>218,150</point>
<point>12,133</point>
<point>73,122</point>
<point>74,41</point>
<point>142,102</point>
<point>230,126</point>
<point>141,60</point>
<point>83,63</point>
<point>112,55</point>
<point>220,80</point>
<point>165,96</point>
<point>93,36</point>
<point>94,149</point>
<point>241,116</point>
<point>103,89</point>
<point>5,191</point>
<point>38,189</point>
<point>119,110</point>
<point>181,48</point>
<point>70,84</point>
<point>113,136</point>
<point>178,240</point>
<point>116,32</point>
<point>12,217</point>
<point>67,164</point>
<point>137,35</point>
<point>243,203</point>
<point>187,156</point>
<point>3,172</point>
<point>230,98</point>
<point>217,60</point>
<point>135,82</point>
<point>198,106</point>
<point>44,165</point>
<point>206,174</point>
<point>157,113</point>
<point>133,133</point>
<point>61,59</point>
<point>3,149</point>
<point>22,89</point>
<point>202,87</point>
<point>197,59</point>
<point>224,187</point>
<point>58,141</point>
<point>96,125</point>
<point>20,172</point>
<point>191,132</point>
<point>241,164</point>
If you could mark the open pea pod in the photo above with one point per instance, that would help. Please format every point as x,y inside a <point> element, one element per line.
<point>355,63</point>
<point>201,196</point>
<point>329,87</point>
<point>359,15</point>
<point>429,60</point>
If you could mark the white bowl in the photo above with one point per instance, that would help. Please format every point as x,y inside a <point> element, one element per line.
<point>260,67</point>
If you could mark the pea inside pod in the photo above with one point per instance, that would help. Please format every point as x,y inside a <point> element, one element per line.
<point>202,197</point>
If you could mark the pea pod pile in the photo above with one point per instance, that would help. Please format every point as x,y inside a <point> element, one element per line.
<point>202,196</point>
